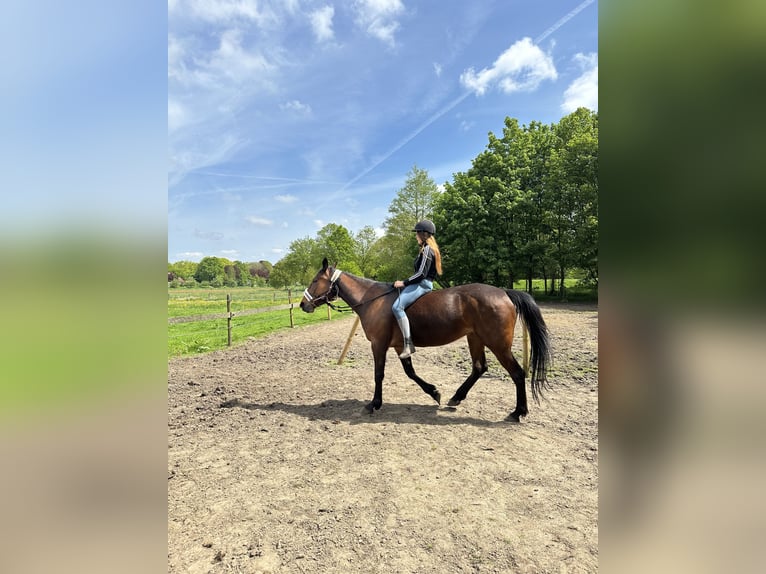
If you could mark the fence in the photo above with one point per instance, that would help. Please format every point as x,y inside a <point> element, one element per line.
<point>229,314</point>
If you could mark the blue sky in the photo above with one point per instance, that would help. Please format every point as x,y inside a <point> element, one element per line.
<point>286,115</point>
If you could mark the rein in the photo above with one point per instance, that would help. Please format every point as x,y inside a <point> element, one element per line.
<point>332,293</point>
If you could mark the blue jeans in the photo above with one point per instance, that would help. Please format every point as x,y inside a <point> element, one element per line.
<point>409,295</point>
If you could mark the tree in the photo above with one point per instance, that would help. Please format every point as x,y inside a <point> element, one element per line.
<point>527,207</point>
<point>335,242</point>
<point>298,266</point>
<point>183,269</point>
<point>365,241</point>
<point>210,269</point>
<point>259,271</point>
<point>573,195</point>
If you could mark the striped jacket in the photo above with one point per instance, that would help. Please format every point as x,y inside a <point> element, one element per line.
<point>424,267</point>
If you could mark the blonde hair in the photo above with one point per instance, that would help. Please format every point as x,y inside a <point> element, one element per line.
<point>437,254</point>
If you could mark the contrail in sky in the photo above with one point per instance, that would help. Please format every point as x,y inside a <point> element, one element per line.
<point>563,21</point>
<point>409,138</point>
<point>412,135</point>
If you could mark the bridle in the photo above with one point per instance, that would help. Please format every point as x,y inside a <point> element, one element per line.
<point>332,294</point>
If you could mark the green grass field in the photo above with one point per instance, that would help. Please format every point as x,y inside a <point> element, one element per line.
<point>209,335</point>
<point>574,291</point>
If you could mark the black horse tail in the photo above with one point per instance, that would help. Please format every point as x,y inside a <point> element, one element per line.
<point>540,356</point>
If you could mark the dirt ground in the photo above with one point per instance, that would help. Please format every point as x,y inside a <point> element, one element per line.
<point>274,467</point>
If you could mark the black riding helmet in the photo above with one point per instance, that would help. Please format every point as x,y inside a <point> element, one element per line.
<point>426,225</point>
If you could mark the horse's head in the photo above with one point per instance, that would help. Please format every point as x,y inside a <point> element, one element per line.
<point>323,288</point>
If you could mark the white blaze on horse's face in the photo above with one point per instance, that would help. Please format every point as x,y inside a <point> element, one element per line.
<point>316,293</point>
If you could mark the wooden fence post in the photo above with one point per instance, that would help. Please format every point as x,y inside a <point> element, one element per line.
<point>228,319</point>
<point>348,341</point>
<point>290,300</point>
<point>525,352</point>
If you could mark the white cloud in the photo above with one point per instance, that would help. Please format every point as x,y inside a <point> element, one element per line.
<point>277,250</point>
<point>211,235</point>
<point>583,91</point>
<point>259,221</point>
<point>230,63</point>
<point>319,223</point>
<point>176,115</point>
<point>286,198</point>
<point>229,252</point>
<point>296,106</point>
<point>438,70</point>
<point>522,67</point>
<point>190,255</point>
<point>233,61</point>
<point>207,88</point>
<point>218,11</point>
<point>378,18</point>
<point>321,23</point>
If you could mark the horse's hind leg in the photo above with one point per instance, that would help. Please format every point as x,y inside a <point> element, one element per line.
<point>479,362</point>
<point>429,389</point>
<point>511,365</point>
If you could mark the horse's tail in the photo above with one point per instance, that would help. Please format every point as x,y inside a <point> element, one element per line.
<point>540,356</point>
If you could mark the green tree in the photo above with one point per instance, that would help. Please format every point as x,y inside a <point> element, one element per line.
<point>183,269</point>
<point>298,266</point>
<point>211,269</point>
<point>572,201</point>
<point>527,207</point>
<point>336,243</point>
<point>460,216</point>
<point>280,276</point>
<point>365,242</point>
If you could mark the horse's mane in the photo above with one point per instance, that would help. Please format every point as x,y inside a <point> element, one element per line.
<point>366,280</point>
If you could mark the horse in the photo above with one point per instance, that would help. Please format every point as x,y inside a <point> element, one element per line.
<point>484,314</point>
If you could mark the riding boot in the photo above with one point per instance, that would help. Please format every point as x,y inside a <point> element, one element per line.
<point>409,348</point>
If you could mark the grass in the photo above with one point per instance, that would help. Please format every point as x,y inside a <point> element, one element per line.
<point>574,291</point>
<point>209,335</point>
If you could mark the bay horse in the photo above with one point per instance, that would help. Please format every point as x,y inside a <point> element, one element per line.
<point>486,315</point>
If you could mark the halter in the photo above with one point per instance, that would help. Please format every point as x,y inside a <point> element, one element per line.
<point>330,295</point>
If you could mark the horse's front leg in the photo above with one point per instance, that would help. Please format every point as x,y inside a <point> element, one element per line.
<point>379,356</point>
<point>428,388</point>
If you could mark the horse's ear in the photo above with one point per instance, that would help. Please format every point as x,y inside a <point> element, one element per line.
<point>335,265</point>
<point>324,263</point>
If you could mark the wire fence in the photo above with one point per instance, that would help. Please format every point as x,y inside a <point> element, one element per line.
<point>217,319</point>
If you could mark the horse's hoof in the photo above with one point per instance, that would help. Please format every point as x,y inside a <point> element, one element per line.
<point>437,396</point>
<point>513,417</point>
<point>370,407</point>
<point>453,403</point>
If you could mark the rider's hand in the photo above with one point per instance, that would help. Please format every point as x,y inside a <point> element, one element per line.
<point>398,284</point>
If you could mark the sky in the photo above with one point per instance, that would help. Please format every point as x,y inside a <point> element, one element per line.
<point>287,115</point>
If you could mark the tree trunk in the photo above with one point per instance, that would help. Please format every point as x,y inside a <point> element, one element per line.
<point>561,283</point>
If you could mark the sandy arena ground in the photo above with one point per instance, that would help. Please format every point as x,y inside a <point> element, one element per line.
<point>274,467</point>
